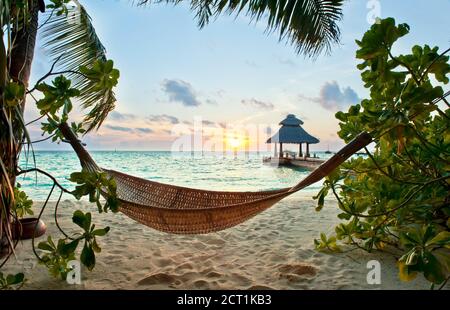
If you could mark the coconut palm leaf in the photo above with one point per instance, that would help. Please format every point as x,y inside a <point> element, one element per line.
<point>71,39</point>
<point>310,25</point>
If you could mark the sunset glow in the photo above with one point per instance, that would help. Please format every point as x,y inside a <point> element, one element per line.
<point>235,142</point>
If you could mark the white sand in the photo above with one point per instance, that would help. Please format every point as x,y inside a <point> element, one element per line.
<point>273,250</point>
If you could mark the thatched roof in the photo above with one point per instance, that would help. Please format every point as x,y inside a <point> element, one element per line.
<point>292,132</point>
<point>291,120</point>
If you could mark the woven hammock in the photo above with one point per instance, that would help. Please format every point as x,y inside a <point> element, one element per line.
<point>182,210</point>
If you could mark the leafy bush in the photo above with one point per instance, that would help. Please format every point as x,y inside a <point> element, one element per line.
<point>22,204</point>
<point>398,195</point>
<point>56,104</point>
<point>11,281</point>
<point>93,184</point>
<point>57,256</point>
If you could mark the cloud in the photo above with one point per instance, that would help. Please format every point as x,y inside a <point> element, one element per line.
<point>182,92</point>
<point>251,63</point>
<point>258,104</point>
<point>117,116</point>
<point>331,97</point>
<point>144,130</point>
<point>221,93</point>
<point>208,123</point>
<point>128,129</point>
<point>287,62</point>
<point>119,128</point>
<point>167,131</point>
<point>211,101</point>
<point>163,118</point>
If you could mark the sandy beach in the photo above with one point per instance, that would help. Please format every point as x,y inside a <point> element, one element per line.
<point>271,251</point>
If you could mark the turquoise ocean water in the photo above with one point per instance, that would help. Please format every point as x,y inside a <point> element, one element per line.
<point>212,171</point>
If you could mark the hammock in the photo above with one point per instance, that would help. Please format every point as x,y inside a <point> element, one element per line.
<point>182,210</point>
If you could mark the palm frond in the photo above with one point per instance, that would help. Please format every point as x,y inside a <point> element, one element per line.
<point>72,38</point>
<point>310,25</point>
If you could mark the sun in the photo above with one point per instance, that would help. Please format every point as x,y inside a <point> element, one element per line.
<point>234,142</point>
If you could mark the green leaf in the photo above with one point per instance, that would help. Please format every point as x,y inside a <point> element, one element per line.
<point>22,204</point>
<point>96,247</point>
<point>433,270</point>
<point>321,198</point>
<point>412,258</point>
<point>443,256</point>
<point>79,218</point>
<point>15,279</point>
<point>69,248</point>
<point>311,26</point>
<point>344,216</point>
<point>320,202</point>
<point>13,94</point>
<point>87,224</point>
<point>56,97</point>
<point>442,239</point>
<point>398,188</point>
<point>76,44</point>
<point>87,256</point>
<point>101,232</point>
<point>112,203</point>
<point>45,246</point>
<point>94,185</point>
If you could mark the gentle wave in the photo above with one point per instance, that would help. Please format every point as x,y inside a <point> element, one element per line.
<point>205,171</point>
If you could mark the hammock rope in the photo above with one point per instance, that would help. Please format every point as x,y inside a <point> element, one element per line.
<point>183,210</point>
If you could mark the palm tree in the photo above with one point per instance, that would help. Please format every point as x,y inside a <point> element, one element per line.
<point>69,36</point>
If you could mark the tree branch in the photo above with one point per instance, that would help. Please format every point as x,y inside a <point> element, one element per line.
<point>51,73</point>
<point>404,203</point>
<point>46,174</point>
<point>406,66</point>
<point>387,174</point>
<point>432,63</point>
<point>41,140</point>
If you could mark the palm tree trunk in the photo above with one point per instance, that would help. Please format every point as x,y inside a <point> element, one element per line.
<point>23,49</point>
<point>4,177</point>
<point>20,59</point>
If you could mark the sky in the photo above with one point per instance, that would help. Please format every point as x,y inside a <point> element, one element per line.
<point>177,81</point>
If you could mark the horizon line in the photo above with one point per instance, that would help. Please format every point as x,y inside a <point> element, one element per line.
<point>195,151</point>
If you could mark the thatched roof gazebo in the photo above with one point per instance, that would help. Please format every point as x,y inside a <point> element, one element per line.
<point>292,132</point>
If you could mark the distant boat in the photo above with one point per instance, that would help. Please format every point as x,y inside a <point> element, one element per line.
<point>328,150</point>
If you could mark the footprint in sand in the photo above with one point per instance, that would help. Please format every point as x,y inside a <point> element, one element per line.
<point>199,246</point>
<point>213,274</point>
<point>259,287</point>
<point>243,281</point>
<point>216,241</point>
<point>157,278</point>
<point>201,284</point>
<point>164,262</point>
<point>184,266</point>
<point>156,252</point>
<point>116,252</point>
<point>294,272</point>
